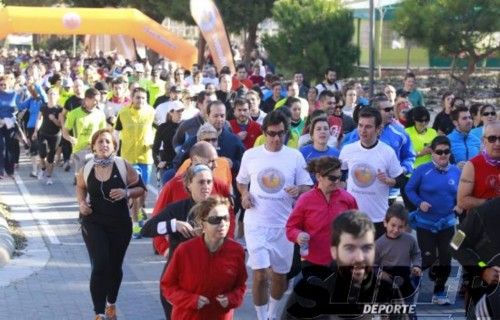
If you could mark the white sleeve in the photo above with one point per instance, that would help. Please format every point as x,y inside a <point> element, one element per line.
<point>394,166</point>
<point>161,228</point>
<point>343,160</point>
<point>302,177</point>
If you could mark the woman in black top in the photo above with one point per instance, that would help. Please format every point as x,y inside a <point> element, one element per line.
<point>175,220</point>
<point>164,137</point>
<point>48,133</point>
<point>105,219</point>
<point>443,123</point>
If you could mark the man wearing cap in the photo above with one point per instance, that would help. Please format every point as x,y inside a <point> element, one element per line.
<point>162,110</point>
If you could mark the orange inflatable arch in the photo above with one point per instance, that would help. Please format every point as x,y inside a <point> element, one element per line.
<point>93,21</point>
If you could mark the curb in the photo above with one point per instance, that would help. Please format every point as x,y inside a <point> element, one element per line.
<point>7,244</point>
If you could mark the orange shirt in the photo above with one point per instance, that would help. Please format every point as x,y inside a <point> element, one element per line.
<point>222,171</point>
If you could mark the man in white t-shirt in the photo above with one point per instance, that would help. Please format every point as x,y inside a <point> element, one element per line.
<point>276,175</point>
<point>372,167</point>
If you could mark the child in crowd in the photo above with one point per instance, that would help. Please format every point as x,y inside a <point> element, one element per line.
<point>397,252</point>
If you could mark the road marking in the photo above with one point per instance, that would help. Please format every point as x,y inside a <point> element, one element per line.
<point>153,189</point>
<point>42,223</point>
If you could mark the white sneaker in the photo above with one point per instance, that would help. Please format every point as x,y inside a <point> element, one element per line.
<point>40,174</point>
<point>49,181</point>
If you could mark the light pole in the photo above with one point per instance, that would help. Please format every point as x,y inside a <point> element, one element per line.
<point>371,48</point>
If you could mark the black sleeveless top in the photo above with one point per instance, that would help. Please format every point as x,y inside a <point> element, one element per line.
<point>104,209</point>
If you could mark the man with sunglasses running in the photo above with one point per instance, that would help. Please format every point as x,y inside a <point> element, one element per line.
<point>271,177</point>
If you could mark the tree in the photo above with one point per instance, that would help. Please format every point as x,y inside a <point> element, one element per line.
<point>312,36</point>
<point>456,28</point>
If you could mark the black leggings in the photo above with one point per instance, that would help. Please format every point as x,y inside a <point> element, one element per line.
<point>47,145</point>
<point>436,247</point>
<point>66,149</point>
<point>8,143</point>
<point>33,144</point>
<point>106,246</point>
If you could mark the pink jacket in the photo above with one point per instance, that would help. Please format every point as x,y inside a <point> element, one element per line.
<point>312,214</point>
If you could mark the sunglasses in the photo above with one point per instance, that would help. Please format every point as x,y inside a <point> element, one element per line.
<point>388,109</point>
<point>216,220</point>
<point>333,178</point>
<point>487,114</point>
<point>422,120</point>
<point>213,140</point>
<point>276,133</point>
<point>492,139</point>
<point>440,152</point>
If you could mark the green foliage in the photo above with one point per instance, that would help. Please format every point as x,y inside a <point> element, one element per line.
<point>312,36</point>
<point>451,27</point>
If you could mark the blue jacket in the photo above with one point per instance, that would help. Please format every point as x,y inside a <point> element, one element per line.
<point>33,106</point>
<point>464,146</point>
<point>397,138</point>
<point>7,104</point>
<point>229,146</point>
<point>438,188</point>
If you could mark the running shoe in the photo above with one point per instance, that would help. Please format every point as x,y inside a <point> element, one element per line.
<point>141,215</point>
<point>440,298</point>
<point>49,181</point>
<point>67,166</point>
<point>41,174</point>
<point>136,232</point>
<point>110,312</point>
<point>33,174</point>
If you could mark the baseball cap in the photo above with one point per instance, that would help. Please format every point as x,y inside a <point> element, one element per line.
<point>139,67</point>
<point>176,105</point>
<point>175,89</point>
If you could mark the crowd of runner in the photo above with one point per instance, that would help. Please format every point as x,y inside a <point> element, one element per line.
<point>268,162</point>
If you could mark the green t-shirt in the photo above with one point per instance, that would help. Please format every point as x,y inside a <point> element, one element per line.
<point>84,124</point>
<point>419,142</point>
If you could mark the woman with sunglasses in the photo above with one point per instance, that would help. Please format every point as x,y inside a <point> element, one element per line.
<point>175,221</point>
<point>443,123</point>
<point>309,224</point>
<point>432,188</point>
<point>207,274</point>
<point>105,219</point>
<point>421,135</point>
<point>488,115</point>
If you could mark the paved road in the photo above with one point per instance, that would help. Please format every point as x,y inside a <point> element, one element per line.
<point>50,280</point>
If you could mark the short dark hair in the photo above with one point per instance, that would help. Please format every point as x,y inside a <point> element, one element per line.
<point>354,222</point>
<point>292,100</point>
<point>455,114</point>
<point>475,108</point>
<point>329,69</point>
<point>370,112</point>
<point>323,165</point>
<point>326,93</point>
<point>440,140</point>
<point>378,99</point>
<point>239,102</point>
<point>409,75</point>
<point>91,93</point>
<point>241,66</point>
<point>200,97</point>
<point>397,210</point>
<point>139,89</point>
<point>213,103</point>
<point>274,117</point>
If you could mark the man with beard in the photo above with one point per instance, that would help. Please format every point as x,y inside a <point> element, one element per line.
<point>330,82</point>
<point>344,289</point>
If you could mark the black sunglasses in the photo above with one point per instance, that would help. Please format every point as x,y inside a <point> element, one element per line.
<point>440,152</point>
<point>276,133</point>
<point>334,178</point>
<point>216,220</point>
<point>388,109</point>
<point>422,120</point>
<point>492,139</point>
<point>492,113</point>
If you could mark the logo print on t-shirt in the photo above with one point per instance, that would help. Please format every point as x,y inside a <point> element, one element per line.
<point>271,180</point>
<point>493,182</point>
<point>363,175</point>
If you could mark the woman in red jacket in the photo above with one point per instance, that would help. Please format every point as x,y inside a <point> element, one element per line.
<point>207,274</point>
<point>310,222</point>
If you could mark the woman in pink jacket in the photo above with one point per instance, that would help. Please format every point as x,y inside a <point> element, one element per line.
<point>309,224</point>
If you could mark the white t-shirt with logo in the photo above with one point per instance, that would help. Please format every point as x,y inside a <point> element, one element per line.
<point>363,165</point>
<point>269,174</point>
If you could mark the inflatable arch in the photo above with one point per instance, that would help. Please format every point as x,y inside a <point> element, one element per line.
<point>92,21</point>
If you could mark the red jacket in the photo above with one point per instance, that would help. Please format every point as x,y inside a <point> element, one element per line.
<point>253,130</point>
<point>194,271</point>
<point>312,214</point>
<point>174,191</point>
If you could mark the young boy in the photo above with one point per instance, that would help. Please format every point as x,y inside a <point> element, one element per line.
<point>397,252</point>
